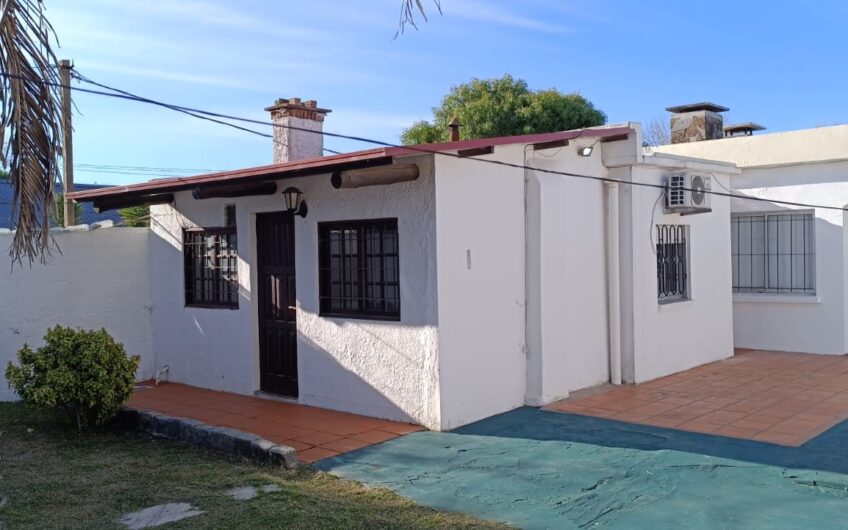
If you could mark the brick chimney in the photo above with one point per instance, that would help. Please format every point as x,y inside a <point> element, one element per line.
<point>696,122</point>
<point>290,116</point>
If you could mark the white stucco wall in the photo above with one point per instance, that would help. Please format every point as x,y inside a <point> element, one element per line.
<point>668,338</point>
<point>821,144</point>
<point>100,279</point>
<point>567,294</point>
<point>480,254</point>
<point>381,369</point>
<point>803,323</point>
<point>808,166</point>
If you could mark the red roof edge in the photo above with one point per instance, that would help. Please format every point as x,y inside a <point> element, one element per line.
<point>333,162</point>
<point>600,132</point>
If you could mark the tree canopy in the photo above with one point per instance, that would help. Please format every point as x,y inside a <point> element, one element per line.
<point>504,107</point>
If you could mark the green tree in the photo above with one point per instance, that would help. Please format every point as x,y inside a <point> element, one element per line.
<point>4,175</point>
<point>504,107</point>
<point>136,216</point>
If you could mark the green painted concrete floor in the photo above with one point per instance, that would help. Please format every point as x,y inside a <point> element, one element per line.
<point>536,469</point>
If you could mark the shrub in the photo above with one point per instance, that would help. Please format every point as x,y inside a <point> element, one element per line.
<point>83,372</point>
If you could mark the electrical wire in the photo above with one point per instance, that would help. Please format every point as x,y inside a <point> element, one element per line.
<point>147,168</point>
<point>216,117</point>
<point>651,226</point>
<point>195,113</point>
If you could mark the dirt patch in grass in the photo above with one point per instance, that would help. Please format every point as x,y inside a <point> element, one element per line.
<point>53,478</point>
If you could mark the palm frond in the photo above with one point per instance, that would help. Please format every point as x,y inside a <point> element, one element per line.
<point>30,113</point>
<point>408,10</point>
<point>135,216</point>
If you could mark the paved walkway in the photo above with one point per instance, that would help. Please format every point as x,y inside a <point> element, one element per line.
<point>313,432</point>
<point>537,469</point>
<point>782,398</point>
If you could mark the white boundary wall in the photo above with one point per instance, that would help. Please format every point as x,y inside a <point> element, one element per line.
<point>101,279</point>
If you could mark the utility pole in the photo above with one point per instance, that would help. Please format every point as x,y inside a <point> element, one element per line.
<point>65,67</point>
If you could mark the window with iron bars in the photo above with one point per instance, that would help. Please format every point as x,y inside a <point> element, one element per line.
<point>773,253</point>
<point>211,267</point>
<point>672,263</point>
<point>359,271</point>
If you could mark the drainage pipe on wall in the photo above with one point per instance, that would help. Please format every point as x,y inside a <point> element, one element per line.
<point>613,286</point>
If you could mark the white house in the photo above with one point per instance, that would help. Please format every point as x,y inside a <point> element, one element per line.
<point>789,261</point>
<point>437,284</point>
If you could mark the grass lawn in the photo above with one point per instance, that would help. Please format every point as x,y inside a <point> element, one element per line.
<point>53,478</point>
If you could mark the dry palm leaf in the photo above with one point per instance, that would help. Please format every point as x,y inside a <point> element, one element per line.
<point>408,8</point>
<point>30,105</point>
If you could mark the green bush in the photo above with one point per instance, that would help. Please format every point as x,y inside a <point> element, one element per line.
<point>83,372</point>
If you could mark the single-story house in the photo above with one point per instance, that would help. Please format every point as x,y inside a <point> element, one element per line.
<point>441,283</point>
<point>789,262</point>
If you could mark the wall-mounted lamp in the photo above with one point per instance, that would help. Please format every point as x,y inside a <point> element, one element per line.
<point>295,204</point>
<point>586,151</point>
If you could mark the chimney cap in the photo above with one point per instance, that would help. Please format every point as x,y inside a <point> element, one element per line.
<point>744,127</point>
<point>297,103</point>
<point>692,107</point>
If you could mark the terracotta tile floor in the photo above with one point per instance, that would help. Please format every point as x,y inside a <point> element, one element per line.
<point>776,397</point>
<point>313,432</point>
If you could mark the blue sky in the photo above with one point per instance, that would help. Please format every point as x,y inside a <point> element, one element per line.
<point>781,64</point>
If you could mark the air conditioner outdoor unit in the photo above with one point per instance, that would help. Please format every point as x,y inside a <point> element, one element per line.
<point>687,193</point>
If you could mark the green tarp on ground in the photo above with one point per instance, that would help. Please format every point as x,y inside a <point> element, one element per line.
<point>535,469</point>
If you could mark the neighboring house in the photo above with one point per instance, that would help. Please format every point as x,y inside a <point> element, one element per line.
<point>427,285</point>
<point>87,215</point>
<point>789,262</point>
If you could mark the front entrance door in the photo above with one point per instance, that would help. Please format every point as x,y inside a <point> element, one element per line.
<point>277,315</point>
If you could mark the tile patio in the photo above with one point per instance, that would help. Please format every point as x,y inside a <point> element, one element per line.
<point>313,432</point>
<point>777,397</point>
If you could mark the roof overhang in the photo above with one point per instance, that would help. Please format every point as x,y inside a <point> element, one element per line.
<point>249,181</point>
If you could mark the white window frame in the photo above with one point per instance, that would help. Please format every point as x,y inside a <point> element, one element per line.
<point>808,257</point>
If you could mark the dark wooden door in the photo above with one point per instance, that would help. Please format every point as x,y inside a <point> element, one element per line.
<point>277,314</point>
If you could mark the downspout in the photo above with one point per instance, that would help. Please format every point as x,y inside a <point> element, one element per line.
<point>613,286</point>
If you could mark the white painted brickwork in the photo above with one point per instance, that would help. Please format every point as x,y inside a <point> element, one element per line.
<point>101,278</point>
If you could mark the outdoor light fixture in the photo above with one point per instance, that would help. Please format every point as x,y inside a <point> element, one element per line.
<point>586,151</point>
<point>295,204</point>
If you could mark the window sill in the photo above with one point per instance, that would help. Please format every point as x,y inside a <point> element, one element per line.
<point>211,306</point>
<point>767,298</point>
<point>664,306</point>
<point>375,318</point>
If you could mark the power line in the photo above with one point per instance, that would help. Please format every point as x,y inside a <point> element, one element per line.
<point>453,155</point>
<point>213,117</point>
<point>195,113</point>
<point>131,173</point>
<point>147,168</point>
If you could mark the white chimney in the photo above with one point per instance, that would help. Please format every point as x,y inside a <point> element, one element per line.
<point>294,120</point>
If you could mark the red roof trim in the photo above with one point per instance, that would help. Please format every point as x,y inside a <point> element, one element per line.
<point>333,161</point>
<point>176,183</point>
<point>507,140</point>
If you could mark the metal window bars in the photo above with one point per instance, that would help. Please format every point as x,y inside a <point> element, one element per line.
<point>672,263</point>
<point>773,253</point>
<point>211,267</point>
<point>359,272</point>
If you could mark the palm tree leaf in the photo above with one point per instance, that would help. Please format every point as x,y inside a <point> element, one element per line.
<point>30,113</point>
<point>408,10</point>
